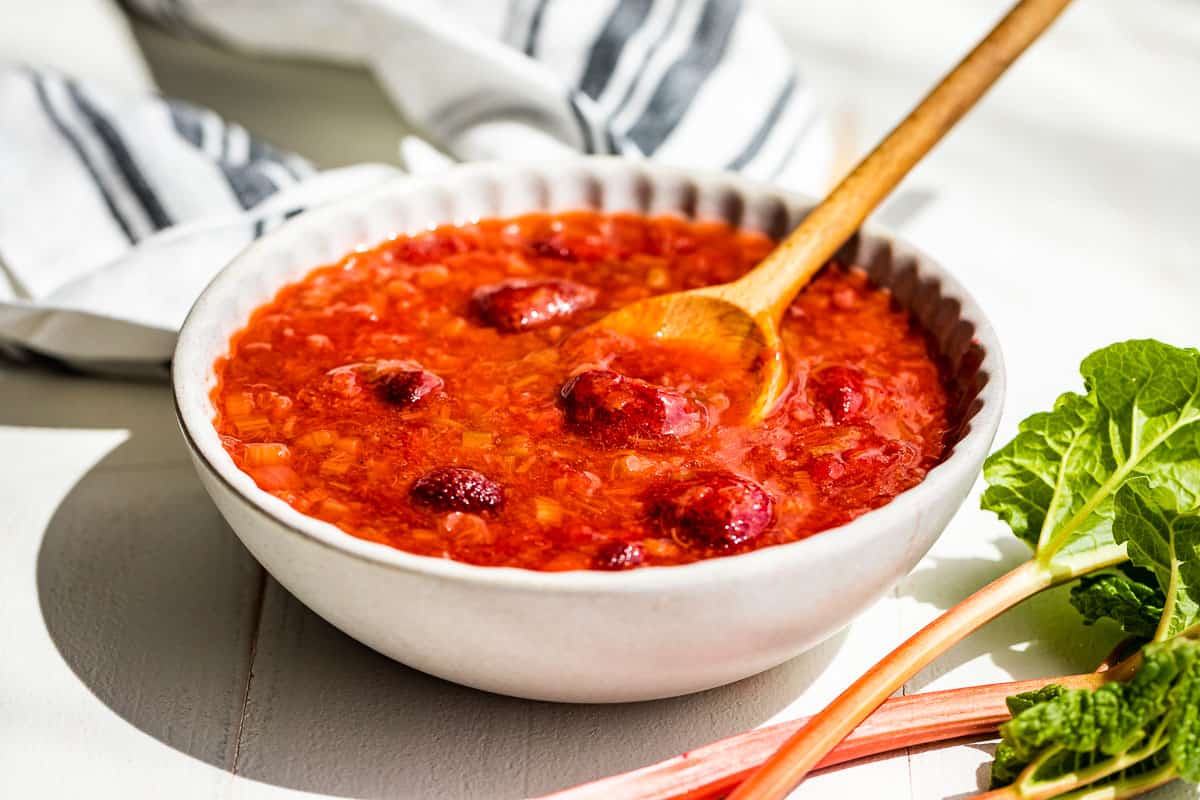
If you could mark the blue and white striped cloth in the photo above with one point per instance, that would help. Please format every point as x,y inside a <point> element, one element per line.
<point>116,210</point>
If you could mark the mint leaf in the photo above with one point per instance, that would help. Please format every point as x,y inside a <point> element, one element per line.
<point>1129,596</point>
<point>1078,738</point>
<point>1054,483</point>
<point>1165,542</point>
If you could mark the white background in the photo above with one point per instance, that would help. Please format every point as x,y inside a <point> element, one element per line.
<point>130,616</point>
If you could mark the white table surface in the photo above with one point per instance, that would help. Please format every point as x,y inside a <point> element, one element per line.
<point>144,654</point>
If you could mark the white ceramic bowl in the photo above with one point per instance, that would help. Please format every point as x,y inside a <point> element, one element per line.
<point>582,636</point>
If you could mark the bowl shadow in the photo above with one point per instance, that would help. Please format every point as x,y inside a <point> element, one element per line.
<point>155,605</point>
<point>402,729</point>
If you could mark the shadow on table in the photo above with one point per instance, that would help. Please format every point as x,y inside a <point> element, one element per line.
<point>158,609</point>
<point>44,395</point>
<point>373,729</point>
<point>1043,631</point>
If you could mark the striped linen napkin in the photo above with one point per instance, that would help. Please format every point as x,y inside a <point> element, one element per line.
<point>116,210</point>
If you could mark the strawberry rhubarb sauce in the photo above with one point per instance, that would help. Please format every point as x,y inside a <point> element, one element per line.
<point>436,394</point>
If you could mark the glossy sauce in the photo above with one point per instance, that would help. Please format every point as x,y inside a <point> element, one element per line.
<point>429,394</point>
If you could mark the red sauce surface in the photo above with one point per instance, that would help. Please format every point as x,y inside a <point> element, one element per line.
<point>428,394</point>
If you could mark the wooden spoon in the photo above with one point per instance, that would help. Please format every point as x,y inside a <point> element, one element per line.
<point>740,320</point>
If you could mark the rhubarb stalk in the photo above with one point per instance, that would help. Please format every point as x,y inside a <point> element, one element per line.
<point>807,749</point>
<point>1055,485</point>
<point>968,712</point>
<point>711,771</point>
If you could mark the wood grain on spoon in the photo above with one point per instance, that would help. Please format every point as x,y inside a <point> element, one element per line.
<point>740,320</point>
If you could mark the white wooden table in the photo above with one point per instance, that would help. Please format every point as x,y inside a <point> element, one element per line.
<point>143,653</point>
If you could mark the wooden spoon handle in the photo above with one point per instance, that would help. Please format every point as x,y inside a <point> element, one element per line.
<point>770,287</point>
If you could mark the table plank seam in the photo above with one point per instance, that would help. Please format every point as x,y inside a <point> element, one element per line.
<point>255,633</point>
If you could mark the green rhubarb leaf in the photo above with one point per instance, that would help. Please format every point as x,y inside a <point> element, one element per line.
<point>1040,478</point>
<point>1127,595</point>
<point>1183,727</point>
<point>1020,702</point>
<point>1007,765</point>
<point>1118,729</point>
<point>1103,720</point>
<point>1151,393</point>
<point>1165,542</point>
<point>1054,483</point>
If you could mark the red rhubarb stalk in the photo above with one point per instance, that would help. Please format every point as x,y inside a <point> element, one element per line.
<point>714,769</point>
<point>967,712</point>
<point>807,749</point>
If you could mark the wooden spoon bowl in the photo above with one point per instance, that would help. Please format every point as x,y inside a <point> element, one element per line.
<point>721,326</point>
